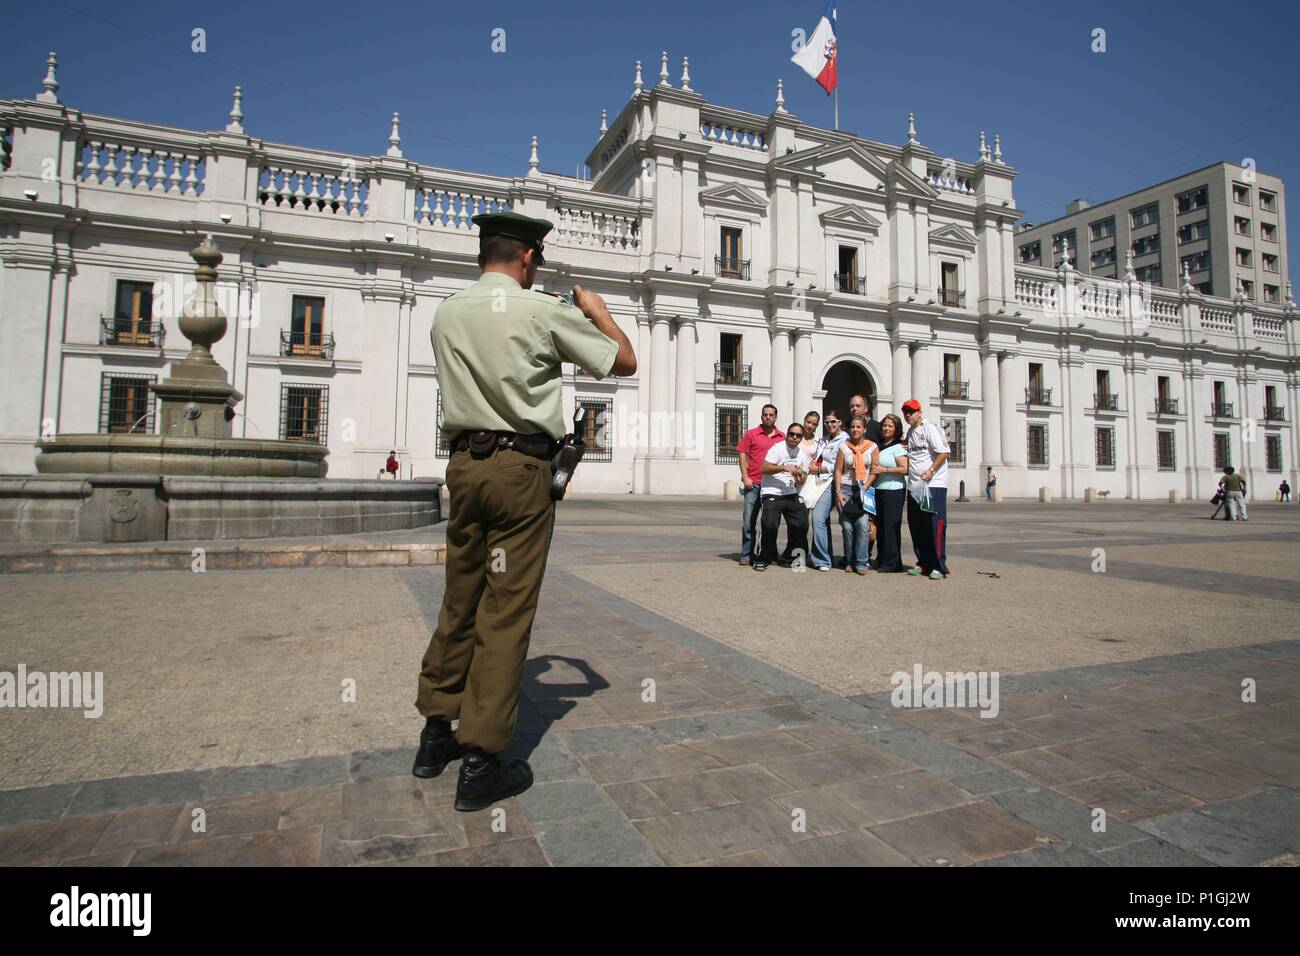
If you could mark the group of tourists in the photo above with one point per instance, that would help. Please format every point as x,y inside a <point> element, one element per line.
<point>868,472</point>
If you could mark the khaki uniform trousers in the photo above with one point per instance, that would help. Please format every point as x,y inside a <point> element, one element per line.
<point>498,536</point>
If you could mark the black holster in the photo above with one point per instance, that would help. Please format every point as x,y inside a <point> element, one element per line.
<point>566,459</point>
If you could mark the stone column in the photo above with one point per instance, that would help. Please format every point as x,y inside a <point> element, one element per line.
<point>902,383</point>
<point>991,417</point>
<point>686,437</point>
<point>802,375</point>
<point>921,386</point>
<point>643,383</point>
<point>1013,439</point>
<point>781,385</point>
<point>660,410</point>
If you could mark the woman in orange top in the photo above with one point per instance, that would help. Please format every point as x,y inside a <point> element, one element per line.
<point>852,477</point>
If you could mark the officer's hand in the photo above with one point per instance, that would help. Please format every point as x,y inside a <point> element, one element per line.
<point>591,304</point>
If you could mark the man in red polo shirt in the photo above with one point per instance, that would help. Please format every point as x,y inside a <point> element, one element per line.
<point>753,449</point>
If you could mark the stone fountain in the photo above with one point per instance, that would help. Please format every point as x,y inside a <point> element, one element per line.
<point>192,480</point>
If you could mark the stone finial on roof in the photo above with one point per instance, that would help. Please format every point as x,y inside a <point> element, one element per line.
<point>911,129</point>
<point>50,93</point>
<point>1187,279</point>
<point>236,123</point>
<point>395,138</point>
<point>604,126</point>
<point>686,74</point>
<point>997,149</point>
<point>1129,274</point>
<point>984,147</point>
<point>663,69</point>
<point>637,85</point>
<point>780,98</point>
<point>534,166</point>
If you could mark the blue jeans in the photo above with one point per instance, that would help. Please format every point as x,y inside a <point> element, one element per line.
<point>822,555</point>
<point>749,522</point>
<point>857,541</point>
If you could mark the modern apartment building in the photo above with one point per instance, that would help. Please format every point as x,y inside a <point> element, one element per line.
<point>1223,225</point>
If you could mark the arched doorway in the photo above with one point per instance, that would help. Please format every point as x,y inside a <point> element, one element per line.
<point>844,380</point>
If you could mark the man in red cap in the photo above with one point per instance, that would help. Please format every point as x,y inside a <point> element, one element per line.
<point>927,478</point>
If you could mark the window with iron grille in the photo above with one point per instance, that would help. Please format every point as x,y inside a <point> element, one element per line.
<point>598,428</point>
<point>304,413</point>
<point>126,404</point>
<point>1166,459</point>
<point>1105,443</point>
<point>728,429</point>
<point>1273,453</point>
<point>1222,451</point>
<point>955,431</point>
<point>441,448</point>
<point>1037,451</point>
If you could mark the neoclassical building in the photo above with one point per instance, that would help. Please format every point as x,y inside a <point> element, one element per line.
<point>750,258</point>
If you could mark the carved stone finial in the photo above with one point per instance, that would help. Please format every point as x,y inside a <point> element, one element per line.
<point>533,164</point>
<point>1187,280</point>
<point>1129,274</point>
<point>686,74</point>
<point>911,129</point>
<point>997,149</point>
<point>236,124</point>
<point>604,126</point>
<point>984,147</point>
<point>780,98</point>
<point>50,93</point>
<point>395,137</point>
<point>637,85</point>
<point>663,69</point>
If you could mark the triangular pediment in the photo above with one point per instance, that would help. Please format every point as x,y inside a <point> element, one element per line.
<point>733,194</point>
<point>953,235</point>
<point>850,215</point>
<point>848,163</point>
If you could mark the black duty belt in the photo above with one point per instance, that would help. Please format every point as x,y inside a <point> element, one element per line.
<point>483,442</point>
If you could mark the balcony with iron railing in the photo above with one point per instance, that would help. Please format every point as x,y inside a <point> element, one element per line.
<point>729,268</point>
<point>731,373</point>
<point>1221,409</point>
<point>1106,402</point>
<point>953,298</point>
<point>949,388</point>
<point>136,333</point>
<point>307,345</point>
<point>848,282</point>
<point>1037,395</point>
<point>1274,413</point>
<point>1166,406</point>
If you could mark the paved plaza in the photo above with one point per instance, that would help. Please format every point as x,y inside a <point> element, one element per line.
<point>681,710</point>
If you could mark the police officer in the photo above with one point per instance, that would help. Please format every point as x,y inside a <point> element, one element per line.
<point>498,347</point>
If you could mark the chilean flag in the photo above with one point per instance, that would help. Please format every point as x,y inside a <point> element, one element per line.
<point>817,57</point>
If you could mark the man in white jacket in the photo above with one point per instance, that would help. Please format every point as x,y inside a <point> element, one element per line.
<point>927,477</point>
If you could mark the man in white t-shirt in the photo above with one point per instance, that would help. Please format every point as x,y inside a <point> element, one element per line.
<point>927,476</point>
<point>784,469</point>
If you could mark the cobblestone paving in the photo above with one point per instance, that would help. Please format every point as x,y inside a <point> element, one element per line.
<point>654,743</point>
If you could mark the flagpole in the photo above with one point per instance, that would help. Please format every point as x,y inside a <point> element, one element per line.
<point>837,106</point>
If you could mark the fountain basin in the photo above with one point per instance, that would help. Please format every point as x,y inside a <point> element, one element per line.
<point>172,455</point>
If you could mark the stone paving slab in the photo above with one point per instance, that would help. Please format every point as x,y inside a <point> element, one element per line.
<point>733,761</point>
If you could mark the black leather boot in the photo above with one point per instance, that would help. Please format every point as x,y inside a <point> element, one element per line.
<point>437,748</point>
<point>486,778</point>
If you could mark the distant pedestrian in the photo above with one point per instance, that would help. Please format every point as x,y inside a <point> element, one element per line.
<point>1234,488</point>
<point>784,469</point>
<point>392,466</point>
<point>890,468</point>
<point>753,448</point>
<point>990,482</point>
<point>1220,502</point>
<point>1284,490</point>
<point>927,492</point>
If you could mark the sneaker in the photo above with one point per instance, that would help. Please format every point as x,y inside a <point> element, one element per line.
<point>936,575</point>
<point>859,570</point>
<point>760,566</point>
<point>823,567</point>
<point>744,562</point>
<point>917,572</point>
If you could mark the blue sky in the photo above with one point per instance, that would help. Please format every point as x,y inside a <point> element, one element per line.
<point>1181,84</point>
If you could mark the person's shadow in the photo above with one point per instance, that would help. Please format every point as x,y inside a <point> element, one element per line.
<point>543,703</point>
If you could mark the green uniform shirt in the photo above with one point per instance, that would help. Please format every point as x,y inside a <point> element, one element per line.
<point>1233,482</point>
<point>499,349</point>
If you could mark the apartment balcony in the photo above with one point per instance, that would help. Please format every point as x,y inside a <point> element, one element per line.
<point>135,333</point>
<point>952,298</point>
<point>853,285</point>
<point>1274,413</point>
<point>1106,402</point>
<point>950,389</point>
<point>1221,409</point>
<point>731,268</point>
<point>1037,395</point>
<point>307,345</point>
<point>1166,406</point>
<point>731,373</point>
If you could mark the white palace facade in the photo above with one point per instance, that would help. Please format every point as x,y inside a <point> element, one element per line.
<point>750,259</point>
